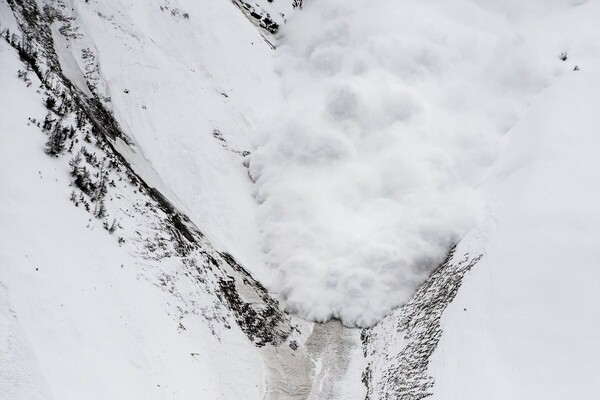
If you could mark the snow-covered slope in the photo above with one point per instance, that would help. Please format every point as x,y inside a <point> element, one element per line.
<point>527,319</point>
<point>92,314</point>
<point>186,80</point>
<point>108,291</point>
<point>524,321</point>
<point>131,263</point>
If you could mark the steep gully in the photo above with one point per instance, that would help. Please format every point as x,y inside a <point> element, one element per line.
<point>322,361</point>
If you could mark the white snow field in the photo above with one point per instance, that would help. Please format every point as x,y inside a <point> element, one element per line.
<point>526,322</point>
<point>338,169</point>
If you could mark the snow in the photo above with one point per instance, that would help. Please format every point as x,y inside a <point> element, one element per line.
<point>20,376</point>
<point>80,316</point>
<point>103,320</point>
<point>67,61</point>
<point>339,362</point>
<point>367,173</point>
<point>525,324</point>
<point>172,82</point>
<point>7,20</point>
<point>381,134</point>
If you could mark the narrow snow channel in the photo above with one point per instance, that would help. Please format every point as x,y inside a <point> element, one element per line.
<point>329,366</point>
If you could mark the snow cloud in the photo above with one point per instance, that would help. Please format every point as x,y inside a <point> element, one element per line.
<point>368,172</point>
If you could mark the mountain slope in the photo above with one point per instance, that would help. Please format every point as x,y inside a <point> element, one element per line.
<point>117,271</point>
<point>528,314</point>
<point>130,260</point>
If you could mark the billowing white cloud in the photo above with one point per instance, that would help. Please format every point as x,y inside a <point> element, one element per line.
<point>367,173</point>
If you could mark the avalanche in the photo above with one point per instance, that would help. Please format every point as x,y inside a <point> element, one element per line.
<point>188,188</point>
<point>367,173</point>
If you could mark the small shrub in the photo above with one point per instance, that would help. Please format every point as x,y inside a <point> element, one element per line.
<point>563,56</point>
<point>50,103</point>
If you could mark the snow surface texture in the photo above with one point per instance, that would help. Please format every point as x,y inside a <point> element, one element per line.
<point>526,322</point>
<point>393,112</point>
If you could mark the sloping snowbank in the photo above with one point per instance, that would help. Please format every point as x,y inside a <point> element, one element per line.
<point>526,322</point>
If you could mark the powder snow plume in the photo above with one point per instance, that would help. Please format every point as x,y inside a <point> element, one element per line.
<point>368,172</point>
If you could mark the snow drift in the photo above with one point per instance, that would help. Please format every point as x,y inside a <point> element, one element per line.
<point>367,173</point>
